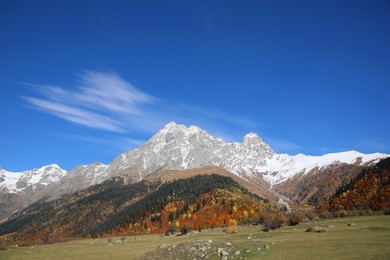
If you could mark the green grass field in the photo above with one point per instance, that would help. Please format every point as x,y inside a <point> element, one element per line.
<point>368,238</point>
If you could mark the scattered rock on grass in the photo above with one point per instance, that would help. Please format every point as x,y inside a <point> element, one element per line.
<point>221,252</point>
<point>315,229</point>
<point>162,246</point>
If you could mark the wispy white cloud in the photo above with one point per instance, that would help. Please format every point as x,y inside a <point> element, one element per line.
<point>105,101</point>
<point>108,91</point>
<point>97,102</point>
<point>76,115</point>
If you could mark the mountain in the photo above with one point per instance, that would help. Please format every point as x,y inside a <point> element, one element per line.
<point>34,180</point>
<point>19,189</point>
<point>177,148</point>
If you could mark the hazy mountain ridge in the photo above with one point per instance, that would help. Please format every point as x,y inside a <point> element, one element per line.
<point>176,147</point>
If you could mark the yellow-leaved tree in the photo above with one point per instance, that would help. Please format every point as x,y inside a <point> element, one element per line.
<point>232,226</point>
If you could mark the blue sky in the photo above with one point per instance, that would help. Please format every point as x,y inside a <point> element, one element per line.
<point>82,81</point>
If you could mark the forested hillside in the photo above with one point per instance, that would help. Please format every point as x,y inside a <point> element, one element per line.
<point>369,191</point>
<point>112,208</point>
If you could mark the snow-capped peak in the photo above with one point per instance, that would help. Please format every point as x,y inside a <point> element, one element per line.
<point>178,147</point>
<point>252,135</point>
<point>254,142</point>
<point>172,127</point>
<point>18,181</point>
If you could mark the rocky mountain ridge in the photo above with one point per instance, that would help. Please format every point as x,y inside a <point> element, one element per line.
<point>175,147</point>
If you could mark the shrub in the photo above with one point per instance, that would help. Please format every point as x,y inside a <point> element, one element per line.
<point>24,244</point>
<point>310,215</point>
<point>200,227</point>
<point>294,219</point>
<point>342,213</point>
<point>3,246</point>
<point>171,230</point>
<point>184,229</point>
<point>324,214</point>
<point>271,224</point>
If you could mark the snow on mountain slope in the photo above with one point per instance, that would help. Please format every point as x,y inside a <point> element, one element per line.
<point>177,147</point>
<point>283,167</point>
<point>15,182</point>
<point>83,176</point>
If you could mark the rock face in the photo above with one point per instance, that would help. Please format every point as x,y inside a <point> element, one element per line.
<point>175,148</point>
<point>82,177</point>
<point>253,142</point>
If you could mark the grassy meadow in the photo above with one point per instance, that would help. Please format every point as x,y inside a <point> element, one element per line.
<point>366,238</point>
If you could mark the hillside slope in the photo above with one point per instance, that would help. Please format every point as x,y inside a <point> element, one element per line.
<point>369,190</point>
<point>114,208</point>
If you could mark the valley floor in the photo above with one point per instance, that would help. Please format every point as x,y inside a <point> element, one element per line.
<point>365,238</point>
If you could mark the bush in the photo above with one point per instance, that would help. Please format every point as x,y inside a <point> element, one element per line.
<point>294,219</point>
<point>342,213</point>
<point>369,212</point>
<point>184,229</point>
<point>3,246</point>
<point>353,213</point>
<point>171,230</point>
<point>24,244</point>
<point>310,215</point>
<point>200,227</point>
<point>271,224</point>
<point>325,214</point>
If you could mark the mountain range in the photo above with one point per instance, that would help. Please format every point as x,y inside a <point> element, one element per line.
<point>177,151</point>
